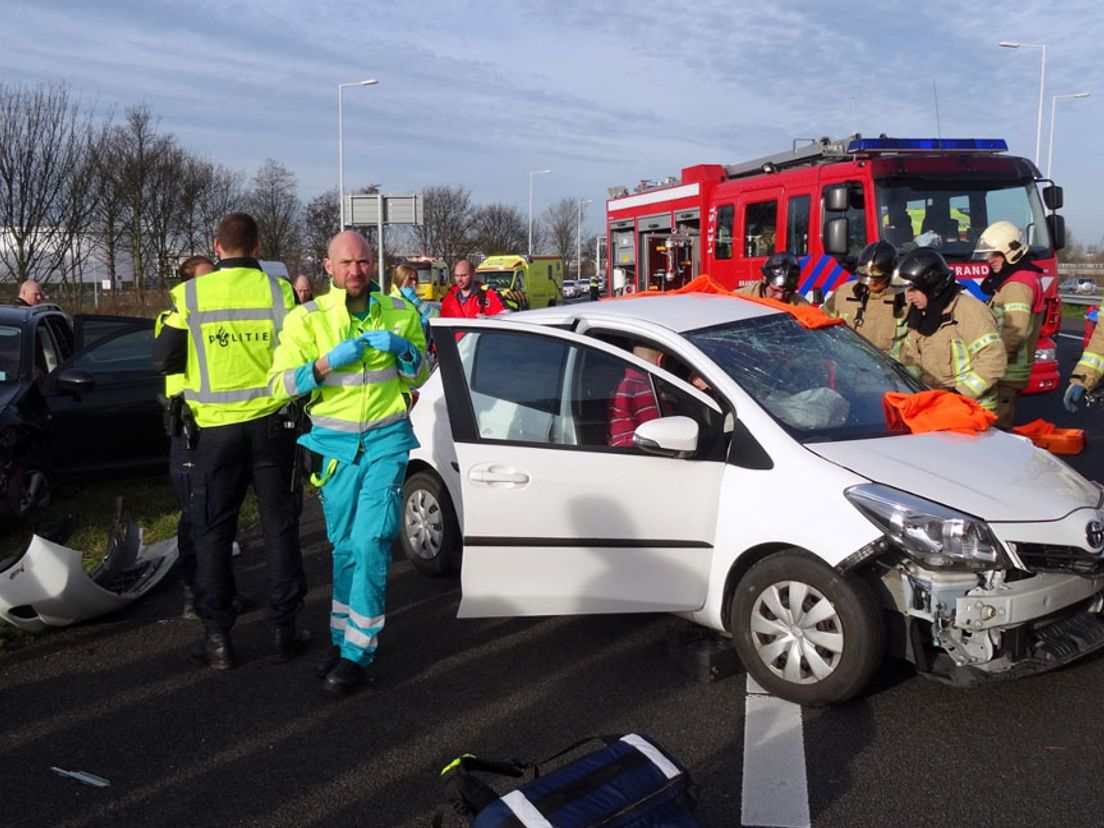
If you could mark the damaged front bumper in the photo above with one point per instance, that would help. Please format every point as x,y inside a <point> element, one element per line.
<point>47,586</point>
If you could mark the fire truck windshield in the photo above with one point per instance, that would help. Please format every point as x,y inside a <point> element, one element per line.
<point>951,215</point>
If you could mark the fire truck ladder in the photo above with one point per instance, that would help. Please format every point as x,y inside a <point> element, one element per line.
<point>808,154</point>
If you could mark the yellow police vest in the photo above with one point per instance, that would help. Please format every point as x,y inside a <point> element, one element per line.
<point>233,318</point>
<point>359,397</point>
<point>174,383</point>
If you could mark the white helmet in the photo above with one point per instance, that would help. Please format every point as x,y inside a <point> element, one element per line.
<point>1002,237</point>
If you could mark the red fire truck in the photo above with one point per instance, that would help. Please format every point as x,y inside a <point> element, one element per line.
<point>824,202</point>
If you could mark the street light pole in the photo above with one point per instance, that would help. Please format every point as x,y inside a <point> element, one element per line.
<point>531,174</point>
<point>1013,44</point>
<point>579,236</point>
<point>341,146</point>
<point>1053,106</point>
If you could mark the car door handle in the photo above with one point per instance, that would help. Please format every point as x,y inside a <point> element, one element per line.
<point>491,473</point>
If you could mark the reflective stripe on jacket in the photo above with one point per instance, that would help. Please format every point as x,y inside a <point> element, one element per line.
<point>965,355</point>
<point>1090,367</point>
<point>881,324</point>
<point>233,318</point>
<point>360,397</point>
<point>174,383</point>
<point>1019,327</point>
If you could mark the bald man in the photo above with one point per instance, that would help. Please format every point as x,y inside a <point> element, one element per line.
<point>304,290</point>
<point>30,294</point>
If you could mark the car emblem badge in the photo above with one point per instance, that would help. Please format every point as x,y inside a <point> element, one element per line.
<point>1094,534</point>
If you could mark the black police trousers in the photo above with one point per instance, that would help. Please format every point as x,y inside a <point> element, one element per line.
<point>180,470</point>
<point>227,458</point>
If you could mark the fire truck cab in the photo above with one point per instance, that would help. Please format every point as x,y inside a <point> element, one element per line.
<point>824,202</point>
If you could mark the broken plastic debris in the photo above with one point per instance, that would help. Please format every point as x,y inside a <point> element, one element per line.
<point>81,776</point>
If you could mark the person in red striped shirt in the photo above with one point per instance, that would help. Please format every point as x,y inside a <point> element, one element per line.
<point>633,402</point>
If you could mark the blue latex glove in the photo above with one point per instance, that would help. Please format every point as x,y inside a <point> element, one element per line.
<point>1072,398</point>
<point>346,353</point>
<point>386,341</point>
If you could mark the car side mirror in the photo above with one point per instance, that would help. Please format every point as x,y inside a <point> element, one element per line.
<point>667,436</point>
<point>835,236</point>
<point>75,382</point>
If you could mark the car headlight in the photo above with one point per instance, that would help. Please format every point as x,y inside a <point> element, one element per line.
<point>1046,354</point>
<point>933,535</point>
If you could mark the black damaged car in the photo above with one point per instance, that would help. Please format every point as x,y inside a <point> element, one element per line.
<point>77,397</point>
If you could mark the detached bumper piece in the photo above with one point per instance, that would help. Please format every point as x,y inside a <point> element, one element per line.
<point>1047,648</point>
<point>46,586</point>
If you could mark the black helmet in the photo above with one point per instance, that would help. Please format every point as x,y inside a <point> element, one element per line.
<point>877,261</point>
<point>782,271</point>
<point>926,270</point>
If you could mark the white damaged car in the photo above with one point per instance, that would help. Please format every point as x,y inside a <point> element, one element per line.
<point>775,505</point>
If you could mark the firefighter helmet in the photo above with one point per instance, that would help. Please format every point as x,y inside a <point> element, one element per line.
<point>925,270</point>
<point>877,261</point>
<point>782,271</point>
<point>1002,237</point>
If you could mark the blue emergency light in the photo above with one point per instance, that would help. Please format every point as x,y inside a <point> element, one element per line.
<point>876,145</point>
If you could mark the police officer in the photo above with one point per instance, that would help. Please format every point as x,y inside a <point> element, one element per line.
<point>594,288</point>
<point>874,304</point>
<point>781,273</point>
<point>355,352</point>
<point>1016,299</point>
<point>221,335</point>
<point>952,341</point>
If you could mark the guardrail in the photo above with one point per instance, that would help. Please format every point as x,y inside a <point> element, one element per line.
<point>1081,299</point>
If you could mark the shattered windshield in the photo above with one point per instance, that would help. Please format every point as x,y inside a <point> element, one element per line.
<point>821,384</point>
<point>10,341</point>
<point>951,215</point>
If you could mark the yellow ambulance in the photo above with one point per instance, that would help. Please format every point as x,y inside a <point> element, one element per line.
<point>524,281</point>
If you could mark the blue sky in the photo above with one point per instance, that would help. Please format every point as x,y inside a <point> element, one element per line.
<point>603,93</point>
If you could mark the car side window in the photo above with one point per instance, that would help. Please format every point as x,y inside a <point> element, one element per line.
<point>47,357</point>
<point>118,357</point>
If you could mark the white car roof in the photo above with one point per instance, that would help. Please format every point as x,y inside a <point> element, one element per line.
<point>677,312</point>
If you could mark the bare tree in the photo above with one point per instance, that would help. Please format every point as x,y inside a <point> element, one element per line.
<point>499,228</point>
<point>274,204</point>
<point>45,144</point>
<point>321,222</point>
<point>447,228</point>
<point>559,223</point>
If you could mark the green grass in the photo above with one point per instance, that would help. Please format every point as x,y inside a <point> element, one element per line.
<point>147,500</point>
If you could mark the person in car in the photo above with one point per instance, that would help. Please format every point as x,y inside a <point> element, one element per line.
<point>30,294</point>
<point>633,401</point>
<point>952,341</point>
<point>1016,299</point>
<point>868,305</point>
<point>781,274</point>
<point>468,297</point>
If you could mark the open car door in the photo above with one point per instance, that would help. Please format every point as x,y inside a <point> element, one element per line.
<point>556,519</point>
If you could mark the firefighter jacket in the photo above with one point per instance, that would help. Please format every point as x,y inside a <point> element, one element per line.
<point>232,318</point>
<point>481,301</point>
<point>350,402</point>
<point>1019,327</point>
<point>881,321</point>
<point>1090,367</point>
<point>756,289</point>
<point>965,354</point>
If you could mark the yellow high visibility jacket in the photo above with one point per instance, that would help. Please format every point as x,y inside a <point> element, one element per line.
<point>233,318</point>
<point>1019,328</point>
<point>965,355</point>
<point>174,383</point>
<point>881,324</point>
<point>359,397</point>
<point>1090,367</point>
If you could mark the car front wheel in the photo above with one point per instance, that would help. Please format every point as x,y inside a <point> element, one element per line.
<point>804,631</point>
<point>430,533</point>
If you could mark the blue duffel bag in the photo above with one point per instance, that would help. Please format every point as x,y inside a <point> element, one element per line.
<point>631,782</point>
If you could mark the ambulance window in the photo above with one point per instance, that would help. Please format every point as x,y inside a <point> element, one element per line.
<point>760,226</point>
<point>725,214</point>
<point>797,225</point>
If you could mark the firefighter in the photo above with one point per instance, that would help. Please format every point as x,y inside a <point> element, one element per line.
<point>952,341</point>
<point>1016,299</point>
<point>1087,372</point>
<point>221,334</point>
<point>781,273</point>
<point>355,352</point>
<point>470,298</point>
<point>874,305</point>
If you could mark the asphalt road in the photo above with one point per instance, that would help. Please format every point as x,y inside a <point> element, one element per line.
<point>261,745</point>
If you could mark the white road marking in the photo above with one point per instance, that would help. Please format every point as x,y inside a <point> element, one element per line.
<point>775,790</point>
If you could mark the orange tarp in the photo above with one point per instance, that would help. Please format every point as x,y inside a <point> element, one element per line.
<point>1049,436</point>
<point>935,411</point>
<point>806,315</point>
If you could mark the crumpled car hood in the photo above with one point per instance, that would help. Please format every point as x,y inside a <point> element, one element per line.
<point>994,476</point>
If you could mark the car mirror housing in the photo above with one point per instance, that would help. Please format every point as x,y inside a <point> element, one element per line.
<point>74,381</point>
<point>667,436</point>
